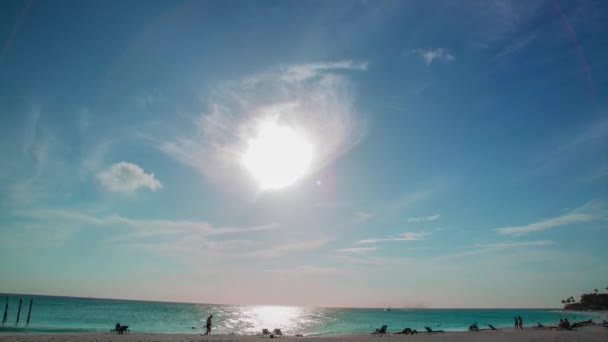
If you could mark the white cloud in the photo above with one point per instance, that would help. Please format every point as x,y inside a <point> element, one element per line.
<point>356,250</point>
<point>423,219</point>
<point>429,55</point>
<point>590,211</point>
<point>127,177</point>
<point>408,236</point>
<point>316,100</point>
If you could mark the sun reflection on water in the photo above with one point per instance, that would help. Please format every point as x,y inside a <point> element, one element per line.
<point>289,319</point>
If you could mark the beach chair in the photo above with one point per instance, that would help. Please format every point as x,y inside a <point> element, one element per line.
<point>277,332</point>
<point>407,331</point>
<point>381,331</point>
<point>123,329</point>
<point>492,327</point>
<point>431,331</point>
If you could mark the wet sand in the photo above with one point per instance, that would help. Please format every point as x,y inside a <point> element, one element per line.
<point>587,334</point>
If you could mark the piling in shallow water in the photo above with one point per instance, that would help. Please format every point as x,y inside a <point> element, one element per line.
<point>29,313</point>
<point>5,312</point>
<point>19,311</point>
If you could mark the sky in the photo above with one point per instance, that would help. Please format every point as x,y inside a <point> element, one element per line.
<point>427,154</point>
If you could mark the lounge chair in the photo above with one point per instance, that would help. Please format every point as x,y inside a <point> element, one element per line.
<point>277,332</point>
<point>381,331</point>
<point>431,331</point>
<point>407,331</point>
<point>120,329</point>
<point>492,327</point>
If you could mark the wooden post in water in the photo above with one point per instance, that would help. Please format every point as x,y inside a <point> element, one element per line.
<point>19,311</point>
<point>29,313</point>
<point>5,312</point>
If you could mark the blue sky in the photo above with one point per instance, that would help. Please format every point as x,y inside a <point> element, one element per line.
<point>458,151</point>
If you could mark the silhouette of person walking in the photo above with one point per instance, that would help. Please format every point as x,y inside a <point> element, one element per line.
<point>208,325</point>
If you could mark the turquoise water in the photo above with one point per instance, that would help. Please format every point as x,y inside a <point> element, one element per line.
<point>65,314</point>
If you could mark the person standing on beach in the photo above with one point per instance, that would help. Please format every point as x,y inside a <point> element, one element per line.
<point>208,325</point>
<point>516,322</point>
<point>520,323</point>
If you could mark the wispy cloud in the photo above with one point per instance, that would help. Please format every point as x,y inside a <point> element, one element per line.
<point>516,46</point>
<point>315,99</point>
<point>408,236</point>
<point>493,248</point>
<point>127,177</point>
<point>302,72</point>
<point>410,198</point>
<point>423,218</point>
<point>307,270</point>
<point>284,248</point>
<point>138,227</point>
<point>590,211</point>
<point>510,244</point>
<point>363,216</point>
<point>567,149</point>
<point>430,55</point>
<point>356,250</point>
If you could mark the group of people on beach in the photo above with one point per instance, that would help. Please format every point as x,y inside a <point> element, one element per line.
<point>564,324</point>
<point>518,323</point>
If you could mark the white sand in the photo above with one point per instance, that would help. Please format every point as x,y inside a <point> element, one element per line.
<point>588,334</point>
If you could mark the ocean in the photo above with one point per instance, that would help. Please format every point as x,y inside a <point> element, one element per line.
<point>67,314</point>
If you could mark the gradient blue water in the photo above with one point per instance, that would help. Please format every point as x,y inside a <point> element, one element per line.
<point>65,314</point>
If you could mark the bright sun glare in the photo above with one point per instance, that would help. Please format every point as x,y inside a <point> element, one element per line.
<point>277,156</point>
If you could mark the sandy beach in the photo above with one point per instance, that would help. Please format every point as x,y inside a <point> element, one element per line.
<point>588,334</point>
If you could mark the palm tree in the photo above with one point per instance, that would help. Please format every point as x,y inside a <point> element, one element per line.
<point>563,301</point>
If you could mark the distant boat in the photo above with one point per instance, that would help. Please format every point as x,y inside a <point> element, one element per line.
<point>388,308</point>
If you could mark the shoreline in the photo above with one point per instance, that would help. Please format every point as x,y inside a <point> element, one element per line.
<point>591,334</point>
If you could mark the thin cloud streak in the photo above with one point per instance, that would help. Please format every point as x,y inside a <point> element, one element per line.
<point>141,228</point>
<point>589,212</point>
<point>284,248</point>
<point>430,55</point>
<point>356,250</point>
<point>423,218</point>
<point>493,247</point>
<point>408,236</point>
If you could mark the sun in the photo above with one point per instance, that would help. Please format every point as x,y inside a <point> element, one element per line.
<point>277,156</point>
